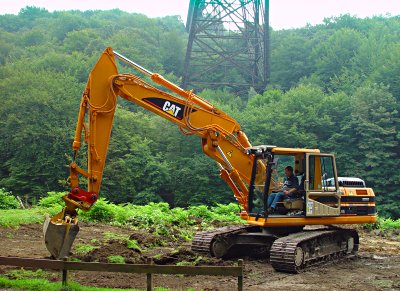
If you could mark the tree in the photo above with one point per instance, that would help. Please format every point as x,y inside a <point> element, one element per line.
<point>388,70</point>
<point>290,58</point>
<point>336,53</point>
<point>370,144</point>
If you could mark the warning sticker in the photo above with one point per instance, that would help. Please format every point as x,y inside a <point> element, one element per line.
<point>310,206</point>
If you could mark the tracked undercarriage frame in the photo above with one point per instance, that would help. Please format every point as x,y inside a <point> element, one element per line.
<point>290,250</point>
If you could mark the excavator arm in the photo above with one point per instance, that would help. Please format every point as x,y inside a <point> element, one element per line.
<point>221,138</point>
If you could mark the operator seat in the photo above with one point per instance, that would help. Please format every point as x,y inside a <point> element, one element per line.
<point>296,202</point>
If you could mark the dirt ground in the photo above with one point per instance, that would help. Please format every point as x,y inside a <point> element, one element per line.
<point>377,266</point>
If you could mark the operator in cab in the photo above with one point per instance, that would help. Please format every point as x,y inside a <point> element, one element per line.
<point>290,185</point>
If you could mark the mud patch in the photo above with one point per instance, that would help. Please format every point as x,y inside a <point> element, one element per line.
<point>185,256</point>
<point>102,253</point>
<point>146,239</point>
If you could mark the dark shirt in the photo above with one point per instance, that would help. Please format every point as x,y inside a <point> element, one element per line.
<point>291,182</point>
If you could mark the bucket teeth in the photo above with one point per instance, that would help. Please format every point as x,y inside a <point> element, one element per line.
<point>59,235</point>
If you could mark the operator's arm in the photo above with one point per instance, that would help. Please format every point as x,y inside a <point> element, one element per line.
<point>291,190</point>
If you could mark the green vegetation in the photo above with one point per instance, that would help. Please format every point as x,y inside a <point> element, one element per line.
<point>130,243</point>
<point>16,217</point>
<point>7,200</point>
<point>384,224</point>
<point>115,236</point>
<point>157,218</point>
<point>333,86</point>
<point>160,218</point>
<point>133,245</point>
<point>383,283</point>
<point>23,274</point>
<point>45,285</point>
<point>194,263</point>
<point>81,249</point>
<point>52,199</point>
<point>116,259</point>
<point>39,280</point>
<point>389,223</point>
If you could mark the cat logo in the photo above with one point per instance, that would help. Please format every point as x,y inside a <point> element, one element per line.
<point>171,109</point>
<point>230,154</point>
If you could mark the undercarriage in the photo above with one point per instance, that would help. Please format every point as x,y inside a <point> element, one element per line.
<point>291,249</point>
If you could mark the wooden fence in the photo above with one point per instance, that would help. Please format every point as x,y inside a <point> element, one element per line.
<point>149,269</point>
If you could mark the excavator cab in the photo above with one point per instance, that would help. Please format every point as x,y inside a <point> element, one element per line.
<point>318,192</point>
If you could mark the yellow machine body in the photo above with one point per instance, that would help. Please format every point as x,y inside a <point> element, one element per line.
<point>221,139</point>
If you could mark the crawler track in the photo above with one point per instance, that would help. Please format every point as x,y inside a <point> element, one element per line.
<point>204,242</point>
<point>296,252</point>
<point>291,253</point>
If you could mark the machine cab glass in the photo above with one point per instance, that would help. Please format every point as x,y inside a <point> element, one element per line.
<point>322,176</point>
<point>317,191</point>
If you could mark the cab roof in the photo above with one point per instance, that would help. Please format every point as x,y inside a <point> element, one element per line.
<point>293,151</point>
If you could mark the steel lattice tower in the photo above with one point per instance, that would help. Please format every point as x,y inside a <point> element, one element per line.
<point>228,45</point>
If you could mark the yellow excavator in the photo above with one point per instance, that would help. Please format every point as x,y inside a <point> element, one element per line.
<point>302,231</point>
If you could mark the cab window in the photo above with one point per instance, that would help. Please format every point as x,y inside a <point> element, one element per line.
<point>321,174</point>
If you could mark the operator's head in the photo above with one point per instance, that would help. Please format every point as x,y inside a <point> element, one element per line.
<point>289,171</point>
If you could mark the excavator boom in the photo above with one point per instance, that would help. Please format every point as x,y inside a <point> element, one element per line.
<point>221,135</point>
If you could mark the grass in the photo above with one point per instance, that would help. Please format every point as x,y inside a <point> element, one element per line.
<point>384,224</point>
<point>38,280</point>
<point>116,236</point>
<point>158,256</point>
<point>94,241</point>
<point>82,249</point>
<point>16,217</point>
<point>194,263</point>
<point>24,274</point>
<point>9,235</point>
<point>185,263</point>
<point>383,284</point>
<point>45,285</point>
<point>389,223</point>
<point>133,245</point>
<point>116,259</point>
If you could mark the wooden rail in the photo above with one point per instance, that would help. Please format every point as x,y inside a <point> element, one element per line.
<point>149,269</point>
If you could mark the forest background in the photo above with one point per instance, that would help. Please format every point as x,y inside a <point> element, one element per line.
<point>334,86</point>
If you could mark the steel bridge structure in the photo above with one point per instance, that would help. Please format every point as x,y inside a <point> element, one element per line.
<point>228,45</point>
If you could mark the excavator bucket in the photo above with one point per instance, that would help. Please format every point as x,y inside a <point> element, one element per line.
<point>59,235</point>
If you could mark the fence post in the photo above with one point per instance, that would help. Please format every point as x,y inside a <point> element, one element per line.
<point>64,275</point>
<point>149,276</point>
<point>240,278</point>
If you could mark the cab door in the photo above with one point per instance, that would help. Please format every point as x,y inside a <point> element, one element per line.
<point>321,185</point>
